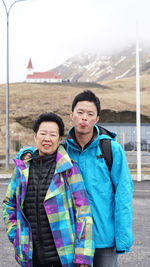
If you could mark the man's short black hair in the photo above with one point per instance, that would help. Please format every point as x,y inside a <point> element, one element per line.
<point>87,96</point>
<point>49,116</point>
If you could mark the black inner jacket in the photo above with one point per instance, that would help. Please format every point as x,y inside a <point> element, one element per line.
<point>40,174</point>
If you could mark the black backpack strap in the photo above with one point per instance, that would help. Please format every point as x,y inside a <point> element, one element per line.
<point>105,145</point>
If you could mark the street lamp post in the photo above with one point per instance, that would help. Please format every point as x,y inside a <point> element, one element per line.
<point>7,9</point>
<point>138,118</point>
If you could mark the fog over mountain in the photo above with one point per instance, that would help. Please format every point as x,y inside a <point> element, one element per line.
<point>100,66</point>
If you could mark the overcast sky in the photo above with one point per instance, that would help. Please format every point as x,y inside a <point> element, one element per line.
<point>51,31</point>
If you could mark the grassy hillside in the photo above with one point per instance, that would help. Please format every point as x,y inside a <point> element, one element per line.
<point>27,101</point>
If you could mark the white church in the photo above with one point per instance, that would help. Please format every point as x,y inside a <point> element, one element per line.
<point>41,77</point>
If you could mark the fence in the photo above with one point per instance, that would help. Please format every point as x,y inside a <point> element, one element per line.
<point>126,135</point>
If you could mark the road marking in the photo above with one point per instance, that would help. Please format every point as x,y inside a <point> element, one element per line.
<point>140,190</point>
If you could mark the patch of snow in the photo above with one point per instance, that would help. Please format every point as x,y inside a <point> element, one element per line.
<point>67,63</point>
<point>119,61</point>
<point>96,63</point>
<point>80,67</point>
<point>105,58</point>
<point>125,73</point>
<point>89,66</point>
<point>109,69</point>
<point>103,62</point>
<point>94,72</point>
<point>99,73</point>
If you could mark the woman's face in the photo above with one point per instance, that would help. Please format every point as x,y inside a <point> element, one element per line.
<point>47,138</point>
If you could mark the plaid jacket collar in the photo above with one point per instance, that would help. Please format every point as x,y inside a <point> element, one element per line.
<point>63,162</point>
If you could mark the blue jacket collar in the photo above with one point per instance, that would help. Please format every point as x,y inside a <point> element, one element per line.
<point>99,133</point>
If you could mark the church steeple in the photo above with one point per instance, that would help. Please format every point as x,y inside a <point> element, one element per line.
<point>30,67</point>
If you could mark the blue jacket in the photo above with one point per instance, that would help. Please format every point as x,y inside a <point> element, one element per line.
<point>112,212</point>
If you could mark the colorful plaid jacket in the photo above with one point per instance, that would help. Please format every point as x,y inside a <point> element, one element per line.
<point>67,208</point>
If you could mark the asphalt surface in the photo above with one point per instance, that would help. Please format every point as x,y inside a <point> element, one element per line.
<point>140,251</point>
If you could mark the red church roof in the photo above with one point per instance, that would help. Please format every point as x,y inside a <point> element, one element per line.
<point>43,75</point>
<point>30,64</point>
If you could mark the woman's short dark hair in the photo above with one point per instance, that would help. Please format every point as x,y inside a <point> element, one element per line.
<point>87,96</point>
<point>49,116</point>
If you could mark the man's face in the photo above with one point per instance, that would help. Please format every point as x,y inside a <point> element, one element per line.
<point>47,138</point>
<point>84,117</point>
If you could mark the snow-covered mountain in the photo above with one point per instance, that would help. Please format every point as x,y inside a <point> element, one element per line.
<point>95,67</point>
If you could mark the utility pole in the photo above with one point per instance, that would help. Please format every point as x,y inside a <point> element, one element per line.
<point>7,9</point>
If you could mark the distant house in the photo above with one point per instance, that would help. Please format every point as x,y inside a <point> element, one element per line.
<point>41,77</point>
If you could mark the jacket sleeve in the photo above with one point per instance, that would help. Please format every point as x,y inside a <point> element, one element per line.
<point>84,237</point>
<point>9,208</point>
<point>122,181</point>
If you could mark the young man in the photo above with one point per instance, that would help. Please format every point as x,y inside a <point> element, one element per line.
<point>110,193</point>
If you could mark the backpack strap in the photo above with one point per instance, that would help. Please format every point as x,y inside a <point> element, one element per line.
<point>105,145</point>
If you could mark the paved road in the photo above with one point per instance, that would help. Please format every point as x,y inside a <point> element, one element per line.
<point>140,252</point>
<point>132,157</point>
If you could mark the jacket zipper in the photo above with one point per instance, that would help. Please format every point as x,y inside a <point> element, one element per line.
<point>38,191</point>
<point>38,204</point>
<point>82,229</point>
<point>21,210</point>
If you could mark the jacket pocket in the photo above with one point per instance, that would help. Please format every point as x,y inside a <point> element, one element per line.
<point>16,245</point>
<point>21,244</point>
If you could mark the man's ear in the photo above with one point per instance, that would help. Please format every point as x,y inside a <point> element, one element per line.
<point>71,115</point>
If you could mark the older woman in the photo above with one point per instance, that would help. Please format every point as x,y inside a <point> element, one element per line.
<point>46,210</point>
